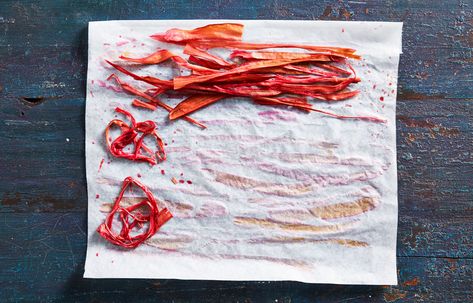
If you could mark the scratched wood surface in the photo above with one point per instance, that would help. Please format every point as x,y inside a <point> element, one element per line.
<point>43,47</point>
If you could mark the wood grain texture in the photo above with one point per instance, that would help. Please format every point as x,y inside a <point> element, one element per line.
<point>43,47</point>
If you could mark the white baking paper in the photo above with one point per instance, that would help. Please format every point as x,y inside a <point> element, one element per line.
<point>275,193</point>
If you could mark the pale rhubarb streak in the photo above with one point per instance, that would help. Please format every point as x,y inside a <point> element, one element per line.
<point>293,227</point>
<point>343,210</point>
<point>260,186</point>
<point>325,212</point>
<point>303,240</point>
<point>172,243</point>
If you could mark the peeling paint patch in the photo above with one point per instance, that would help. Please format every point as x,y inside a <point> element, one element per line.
<point>51,84</point>
<point>4,20</point>
<point>393,294</point>
<point>413,282</point>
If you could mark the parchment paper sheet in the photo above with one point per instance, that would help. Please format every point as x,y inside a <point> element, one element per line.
<point>276,194</point>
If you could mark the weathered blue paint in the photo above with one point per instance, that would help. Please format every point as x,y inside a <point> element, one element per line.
<point>43,46</point>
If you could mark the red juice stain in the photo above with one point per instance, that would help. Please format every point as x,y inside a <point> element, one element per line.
<point>381,98</point>
<point>182,174</point>
<point>172,141</point>
<point>97,196</point>
<point>101,164</point>
<point>343,30</point>
<point>162,172</point>
<point>181,181</point>
<point>138,175</point>
<point>97,254</point>
<point>165,144</point>
<point>374,86</point>
<point>189,182</point>
<point>390,84</point>
<point>392,92</point>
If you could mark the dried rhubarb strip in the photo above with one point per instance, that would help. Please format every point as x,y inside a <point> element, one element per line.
<point>310,79</point>
<point>150,80</point>
<point>347,52</point>
<point>211,32</point>
<point>333,68</point>
<point>204,63</point>
<point>281,101</point>
<point>131,90</point>
<point>284,56</point>
<point>155,58</point>
<point>183,81</point>
<point>139,103</point>
<point>132,217</point>
<point>195,52</point>
<point>192,104</point>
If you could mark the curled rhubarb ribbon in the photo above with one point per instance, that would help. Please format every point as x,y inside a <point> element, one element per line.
<point>130,136</point>
<point>132,217</point>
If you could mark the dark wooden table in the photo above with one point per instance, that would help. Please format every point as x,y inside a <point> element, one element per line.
<point>43,47</point>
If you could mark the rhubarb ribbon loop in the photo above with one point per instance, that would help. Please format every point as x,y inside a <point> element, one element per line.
<point>132,217</point>
<point>130,135</point>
